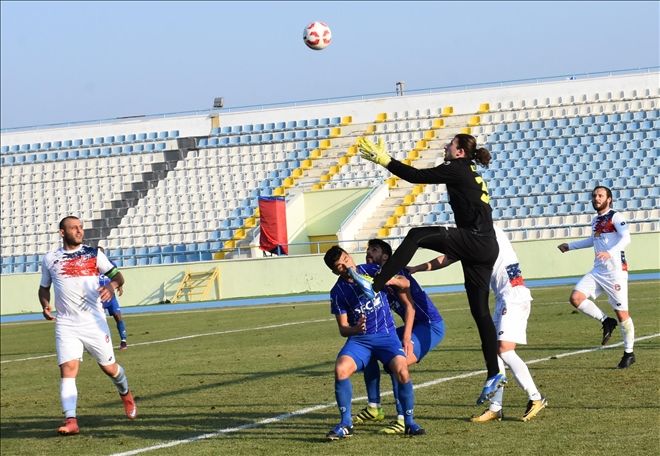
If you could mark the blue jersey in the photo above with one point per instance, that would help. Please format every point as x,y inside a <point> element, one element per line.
<point>425,310</point>
<point>347,298</point>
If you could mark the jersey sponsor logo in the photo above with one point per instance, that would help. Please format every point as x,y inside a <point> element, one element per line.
<point>603,224</point>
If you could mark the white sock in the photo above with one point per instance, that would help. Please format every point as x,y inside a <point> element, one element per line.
<point>589,308</point>
<point>69,397</point>
<point>628,335</point>
<point>373,404</point>
<point>521,374</point>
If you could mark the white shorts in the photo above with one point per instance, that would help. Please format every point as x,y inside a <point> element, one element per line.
<point>71,340</point>
<point>615,286</point>
<point>511,320</point>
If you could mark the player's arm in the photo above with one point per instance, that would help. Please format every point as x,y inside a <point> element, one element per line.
<point>116,281</point>
<point>581,244</point>
<point>405,298</point>
<point>347,330</point>
<point>44,300</point>
<point>437,263</point>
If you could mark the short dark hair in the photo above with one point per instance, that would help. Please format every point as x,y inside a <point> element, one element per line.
<point>332,255</point>
<point>68,217</point>
<point>608,192</point>
<point>384,246</point>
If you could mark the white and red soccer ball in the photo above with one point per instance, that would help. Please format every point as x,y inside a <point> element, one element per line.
<point>317,35</point>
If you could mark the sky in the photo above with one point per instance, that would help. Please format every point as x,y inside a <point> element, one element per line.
<point>81,61</point>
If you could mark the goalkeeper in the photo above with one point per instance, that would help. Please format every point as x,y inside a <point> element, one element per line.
<point>472,242</point>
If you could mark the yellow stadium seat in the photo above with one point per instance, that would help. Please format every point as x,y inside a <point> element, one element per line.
<point>429,134</point>
<point>421,144</point>
<point>381,117</point>
<point>383,232</point>
<point>343,160</point>
<point>408,200</point>
<point>296,173</point>
<point>324,144</point>
<point>288,182</point>
<point>346,120</point>
<point>334,169</point>
<point>306,164</point>
<point>324,178</point>
<point>392,181</point>
<point>239,234</point>
<point>447,111</point>
<point>279,191</point>
<point>400,210</point>
<point>352,150</point>
<point>335,132</point>
<point>316,153</point>
<point>250,222</point>
<point>370,129</point>
<point>438,123</point>
<point>466,130</point>
<point>484,107</point>
<point>474,121</point>
<point>257,213</point>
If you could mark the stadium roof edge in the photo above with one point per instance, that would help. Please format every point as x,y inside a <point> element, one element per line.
<point>328,100</point>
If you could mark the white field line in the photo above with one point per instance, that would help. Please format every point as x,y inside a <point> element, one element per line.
<point>230,331</point>
<point>286,416</point>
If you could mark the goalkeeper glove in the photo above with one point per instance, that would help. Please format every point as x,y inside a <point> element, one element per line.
<point>374,152</point>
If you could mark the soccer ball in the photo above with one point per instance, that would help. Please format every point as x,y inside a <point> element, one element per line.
<point>317,35</point>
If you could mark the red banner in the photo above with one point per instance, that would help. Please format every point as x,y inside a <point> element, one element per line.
<point>274,237</point>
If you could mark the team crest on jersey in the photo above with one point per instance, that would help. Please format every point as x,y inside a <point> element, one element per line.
<point>617,287</point>
<point>504,311</point>
<point>107,339</point>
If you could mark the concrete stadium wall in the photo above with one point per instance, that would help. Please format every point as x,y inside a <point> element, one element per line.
<point>463,100</point>
<point>308,274</point>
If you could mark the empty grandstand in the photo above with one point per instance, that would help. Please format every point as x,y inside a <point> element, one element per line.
<point>177,189</point>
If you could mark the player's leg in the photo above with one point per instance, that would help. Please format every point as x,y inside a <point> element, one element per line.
<point>477,278</point>
<point>399,367</point>
<point>494,410</point>
<point>354,355</point>
<point>431,237</point>
<point>99,345</point>
<point>536,402</point>
<point>69,353</point>
<point>617,292</point>
<point>373,411</point>
<point>588,287</point>
<point>115,312</point>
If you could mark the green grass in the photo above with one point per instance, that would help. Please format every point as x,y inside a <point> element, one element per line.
<point>194,386</point>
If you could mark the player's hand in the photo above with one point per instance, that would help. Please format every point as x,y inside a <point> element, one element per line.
<point>119,291</point>
<point>374,152</point>
<point>361,325</point>
<point>48,315</point>
<point>408,348</point>
<point>106,292</point>
<point>563,247</point>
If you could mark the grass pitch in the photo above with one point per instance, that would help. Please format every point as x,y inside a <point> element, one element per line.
<point>259,380</point>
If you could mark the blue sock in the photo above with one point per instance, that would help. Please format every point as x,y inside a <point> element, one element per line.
<point>121,327</point>
<point>344,395</point>
<point>372,381</point>
<point>407,398</point>
<point>395,390</point>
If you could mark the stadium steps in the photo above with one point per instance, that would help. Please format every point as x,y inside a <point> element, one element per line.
<point>107,219</point>
<point>196,286</point>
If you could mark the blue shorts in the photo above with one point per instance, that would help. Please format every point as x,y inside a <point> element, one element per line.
<point>425,336</point>
<point>361,348</point>
<point>112,306</point>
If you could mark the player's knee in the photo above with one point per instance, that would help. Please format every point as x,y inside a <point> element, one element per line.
<point>576,298</point>
<point>343,369</point>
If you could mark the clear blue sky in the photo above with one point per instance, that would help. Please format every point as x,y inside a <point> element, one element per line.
<point>72,61</point>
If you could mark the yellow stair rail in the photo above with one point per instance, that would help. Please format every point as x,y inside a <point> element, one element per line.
<point>196,286</point>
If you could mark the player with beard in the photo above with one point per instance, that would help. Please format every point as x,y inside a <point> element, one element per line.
<point>609,237</point>
<point>73,270</point>
<point>428,330</point>
<point>367,323</point>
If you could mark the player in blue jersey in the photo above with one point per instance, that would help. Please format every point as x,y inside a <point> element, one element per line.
<point>428,330</point>
<point>112,306</point>
<point>368,325</point>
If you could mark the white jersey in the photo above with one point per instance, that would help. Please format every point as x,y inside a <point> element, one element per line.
<point>75,275</point>
<point>609,233</point>
<point>507,280</point>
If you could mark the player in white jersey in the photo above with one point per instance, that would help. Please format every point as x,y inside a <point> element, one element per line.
<point>513,302</point>
<point>80,322</point>
<point>609,237</point>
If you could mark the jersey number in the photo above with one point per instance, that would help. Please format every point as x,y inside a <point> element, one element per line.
<point>484,189</point>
